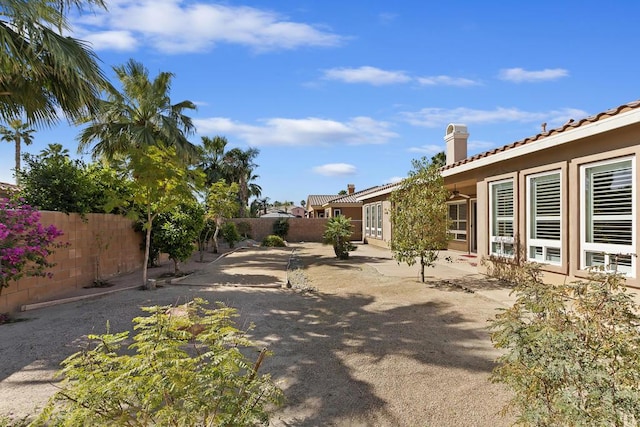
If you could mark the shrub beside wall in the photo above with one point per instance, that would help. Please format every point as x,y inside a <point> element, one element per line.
<point>111,237</point>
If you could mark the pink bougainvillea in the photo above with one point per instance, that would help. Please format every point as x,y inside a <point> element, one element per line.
<point>25,243</point>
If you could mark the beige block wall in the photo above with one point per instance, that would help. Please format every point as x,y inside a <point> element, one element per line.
<point>109,238</point>
<point>300,229</point>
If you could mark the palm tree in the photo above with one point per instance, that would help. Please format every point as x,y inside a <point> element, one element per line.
<point>212,159</point>
<point>17,133</point>
<point>141,116</point>
<point>239,167</point>
<point>42,71</point>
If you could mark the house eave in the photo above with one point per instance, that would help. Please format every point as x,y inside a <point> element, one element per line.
<point>592,129</point>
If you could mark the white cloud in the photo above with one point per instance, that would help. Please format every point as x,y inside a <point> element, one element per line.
<point>177,26</point>
<point>440,117</point>
<point>393,180</point>
<point>446,81</point>
<point>519,75</point>
<point>112,40</point>
<point>367,74</point>
<point>430,149</point>
<point>301,132</point>
<point>335,169</point>
<point>475,146</point>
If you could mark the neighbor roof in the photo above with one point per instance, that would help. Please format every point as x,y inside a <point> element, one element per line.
<point>319,200</point>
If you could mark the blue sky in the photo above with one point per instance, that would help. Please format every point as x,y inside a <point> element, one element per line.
<point>336,92</point>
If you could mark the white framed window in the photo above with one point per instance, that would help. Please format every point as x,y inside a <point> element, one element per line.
<point>379,207</point>
<point>367,220</point>
<point>458,219</point>
<point>544,218</point>
<point>374,220</point>
<point>607,230</point>
<point>501,212</point>
<point>337,212</point>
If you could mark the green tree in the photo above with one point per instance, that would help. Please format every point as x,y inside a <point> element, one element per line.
<point>222,204</point>
<point>160,183</point>
<point>439,160</point>
<point>230,233</point>
<point>17,133</point>
<point>342,193</point>
<point>141,116</point>
<point>212,159</point>
<point>187,366</point>
<point>178,230</point>
<point>54,182</point>
<point>281,227</point>
<point>571,351</point>
<point>42,71</point>
<point>419,216</point>
<point>338,234</point>
<point>239,166</point>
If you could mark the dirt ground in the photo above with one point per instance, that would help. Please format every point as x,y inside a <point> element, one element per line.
<point>356,343</point>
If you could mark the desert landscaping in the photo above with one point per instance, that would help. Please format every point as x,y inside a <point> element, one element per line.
<point>354,342</point>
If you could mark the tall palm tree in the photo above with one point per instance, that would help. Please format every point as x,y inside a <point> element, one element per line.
<point>141,116</point>
<point>17,133</point>
<point>42,71</point>
<point>239,167</point>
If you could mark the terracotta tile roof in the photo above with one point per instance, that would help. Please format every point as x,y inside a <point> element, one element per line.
<point>570,125</point>
<point>319,200</point>
<point>347,198</point>
<point>6,188</point>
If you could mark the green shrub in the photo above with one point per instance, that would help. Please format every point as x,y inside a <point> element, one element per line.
<point>244,228</point>
<point>273,241</point>
<point>337,233</point>
<point>281,227</point>
<point>572,351</point>
<point>185,367</point>
<point>230,233</point>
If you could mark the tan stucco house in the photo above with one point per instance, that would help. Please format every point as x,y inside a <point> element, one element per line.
<point>566,197</point>
<point>327,206</point>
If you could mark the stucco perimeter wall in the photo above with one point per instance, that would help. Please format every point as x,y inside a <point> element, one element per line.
<point>109,238</point>
<point>300,229</point>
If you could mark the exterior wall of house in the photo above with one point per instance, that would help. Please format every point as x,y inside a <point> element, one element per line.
<point>107,239</point>
<point>353,212</point>
<point>568,159</point>
<point>374,235</point>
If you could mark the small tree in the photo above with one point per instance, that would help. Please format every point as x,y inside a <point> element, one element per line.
<point>25,244</point>
<point>338,233</point>
<point>419,216</point>
<point>186,367</point>
<point>222,203</point>
<point>281,227</point>
<point>571,351</point>
<point>178,231</point>
<point>160,183</point>
<point>230,233</point>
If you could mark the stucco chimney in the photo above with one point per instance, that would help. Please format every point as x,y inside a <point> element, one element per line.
<point>456,139</point>
<point>351,188</point>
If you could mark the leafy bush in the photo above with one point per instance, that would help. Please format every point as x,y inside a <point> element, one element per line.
<point>281,227</point>
<point>185,367</point>
<point>175,233</point>
<point>337,233</point>
<point>230,233</point>
<point>273,241</point>
<point>571,351</point>
<point>244,228</point>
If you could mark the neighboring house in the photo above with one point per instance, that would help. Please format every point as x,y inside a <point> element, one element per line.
<point>298,212</point>
<point>327,206</point>
<point>278,215</point>
<point>6,189</point>
<point>566,198</point>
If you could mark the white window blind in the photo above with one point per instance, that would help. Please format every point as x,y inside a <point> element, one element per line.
<point>608,216</point>
<point>501,205</point>
<point>544,201</point>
